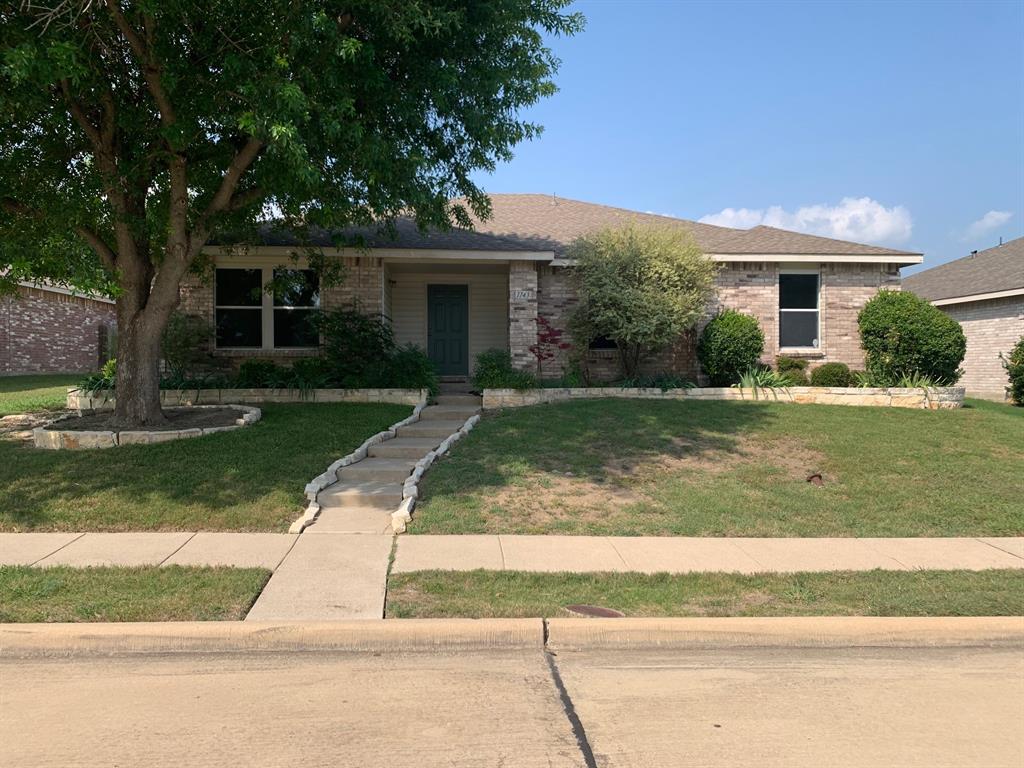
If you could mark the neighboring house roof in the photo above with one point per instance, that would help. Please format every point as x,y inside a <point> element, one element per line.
<point>58,289</point>
<point>548,224</point>
<point>998,270</point>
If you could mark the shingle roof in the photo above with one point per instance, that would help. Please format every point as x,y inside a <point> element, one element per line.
<point>531,222</point>
<point>554,222</point>
<point>997,269</point>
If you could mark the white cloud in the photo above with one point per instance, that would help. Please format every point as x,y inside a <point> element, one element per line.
<point>986,224</point>
<point>854,218</point>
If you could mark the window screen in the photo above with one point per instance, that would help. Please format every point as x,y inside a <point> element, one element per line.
<point>238,308</point>
<point>296,298</point>
<point>798,310</point>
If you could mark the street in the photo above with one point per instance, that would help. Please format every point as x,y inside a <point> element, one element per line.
<point>944,705</point>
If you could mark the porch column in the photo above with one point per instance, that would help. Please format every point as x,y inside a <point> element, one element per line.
<point>522,313</point>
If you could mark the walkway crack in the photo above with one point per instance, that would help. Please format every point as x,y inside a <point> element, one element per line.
<point>501,551</point>
<point>570,710</point>
<point>996,546</point>
<point>58,549</point>
<point>611,541</point>
<point>176,551</point>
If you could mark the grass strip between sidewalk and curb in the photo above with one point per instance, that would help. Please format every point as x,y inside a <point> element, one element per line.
<point>150,593</point>
<point>514,594</point>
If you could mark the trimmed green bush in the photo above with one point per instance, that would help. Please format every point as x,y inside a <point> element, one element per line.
<point>903,335</point>
<point>1014,365</point>
<point>784,364</point>
<point>493,370</point>
<point>730,345</point>
<point>260,374</point>
<point>832,375</point>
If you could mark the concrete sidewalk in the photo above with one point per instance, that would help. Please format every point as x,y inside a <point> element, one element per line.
<point>652,554</point>
<point>241,550</point>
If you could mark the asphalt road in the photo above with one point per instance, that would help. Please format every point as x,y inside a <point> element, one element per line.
<point>763,707</point>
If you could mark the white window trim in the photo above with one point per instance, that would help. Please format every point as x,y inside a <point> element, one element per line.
<point>801,350</point>
<point>266,307</point>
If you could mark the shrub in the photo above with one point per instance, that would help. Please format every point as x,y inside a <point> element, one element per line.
<point>405,367</point>
<point>641,287</point>
<point>353,342</point>
<point>260,374</point>
<point>832,375</point>
<point>101,381</point>
<point>785,364</point>
<point>308,373</point>
<point>493,370</point>
<point>1014,365</point>
<point>903,335</point>
<point>662,381</point>
<point>730,345</point>
<point>185,345</point>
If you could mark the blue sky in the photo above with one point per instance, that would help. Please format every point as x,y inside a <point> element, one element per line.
<point>885,122</point>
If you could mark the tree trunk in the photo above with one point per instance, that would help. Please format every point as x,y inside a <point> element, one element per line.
<point>137,395</point>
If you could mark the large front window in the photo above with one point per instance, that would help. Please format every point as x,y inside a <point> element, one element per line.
<point>266,308</point>
<point>798,310</point>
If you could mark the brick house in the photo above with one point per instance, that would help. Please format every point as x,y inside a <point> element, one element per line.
<point>458,293</point>
<point>47,329</point>
<point>984,292</point>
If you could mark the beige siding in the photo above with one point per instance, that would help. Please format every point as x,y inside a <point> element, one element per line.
<point>488,307</point>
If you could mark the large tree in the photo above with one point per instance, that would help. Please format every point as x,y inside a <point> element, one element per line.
<point>131,131</point>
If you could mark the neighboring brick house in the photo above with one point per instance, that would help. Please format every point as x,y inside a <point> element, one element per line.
<point>458,293</point>
<point>984,292</point>
<point>45,329</point>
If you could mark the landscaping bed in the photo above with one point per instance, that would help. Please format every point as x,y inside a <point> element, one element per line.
<point>177,418</point>
<point>244,480</point>
<point>171,593</point>
<point>706,468</point>
<point>511,594</point>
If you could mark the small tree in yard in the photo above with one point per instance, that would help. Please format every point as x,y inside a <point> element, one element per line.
<point>1014,365</point>
<point>549,344</point>
<point>131,131</point>
<point>641,287</point>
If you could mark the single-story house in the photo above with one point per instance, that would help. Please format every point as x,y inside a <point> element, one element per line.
<point>49,329</point>
<point>984,292</point>
<point>458,293</point>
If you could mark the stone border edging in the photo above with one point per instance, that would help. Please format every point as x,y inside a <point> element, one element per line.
<point>330,475</point>
<point>925,398</point>
<point>57,439</point>
<point>79,401</point>
<point>532,635</point>
<point>402,516</point>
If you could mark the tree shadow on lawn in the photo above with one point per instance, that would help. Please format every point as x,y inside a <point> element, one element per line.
<point>594,440</point>
<point>248,479</point>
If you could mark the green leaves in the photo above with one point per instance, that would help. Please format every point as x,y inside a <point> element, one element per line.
<point>640,286</point>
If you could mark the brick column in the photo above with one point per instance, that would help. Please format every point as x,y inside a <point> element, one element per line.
<point>522,313</point>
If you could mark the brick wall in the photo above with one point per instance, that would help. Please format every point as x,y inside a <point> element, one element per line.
<point>46,332</point>
<point>749,287</point>
<point>523,299</point>
<point>362,284</point>
<point>991,327</point>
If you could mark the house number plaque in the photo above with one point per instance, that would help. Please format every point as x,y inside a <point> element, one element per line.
<point>522,295</point>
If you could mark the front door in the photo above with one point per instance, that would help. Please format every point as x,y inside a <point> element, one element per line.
<point>448,328</point>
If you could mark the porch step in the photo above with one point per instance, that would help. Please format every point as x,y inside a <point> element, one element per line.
<point>448,412</point>
<point>439,428</point>
<point>352,520</point>
<point>470,400</point>
<point>414,448</point>
<point>389,470</point>
<point>348,494</point>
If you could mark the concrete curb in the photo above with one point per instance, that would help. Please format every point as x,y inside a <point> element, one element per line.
<point>788,632</point>
<point>459,635</point>
<point>355,635</point>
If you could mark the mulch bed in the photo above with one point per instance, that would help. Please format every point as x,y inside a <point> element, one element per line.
<point>177,418</point>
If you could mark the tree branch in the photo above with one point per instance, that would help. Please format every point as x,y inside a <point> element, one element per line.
<point>97,243</point>
<point>224,199</point>
<point>150,66</point>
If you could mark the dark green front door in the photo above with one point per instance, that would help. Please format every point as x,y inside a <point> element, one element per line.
<point>448,328</point>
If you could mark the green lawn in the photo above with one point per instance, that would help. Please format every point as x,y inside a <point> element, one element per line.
<point>45,392</point>
<point>128,594</point>
<point>622,467</point>
<point>247,480</point>
<point>510,594</point>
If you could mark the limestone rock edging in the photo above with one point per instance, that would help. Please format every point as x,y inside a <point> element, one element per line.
<point>930,398</point>
<point>402,516</point>
<point>330,475</point>
<point>56,439</point>
<point>78,400</point>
